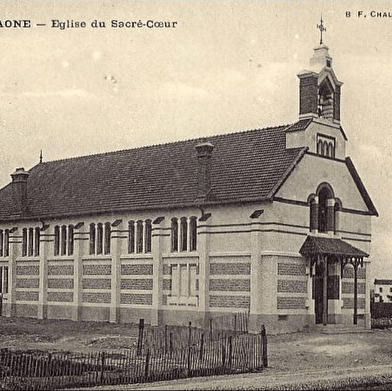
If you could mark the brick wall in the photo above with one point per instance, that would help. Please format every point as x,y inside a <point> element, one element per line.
<point>230,301</point>
<point>61,297</point>
<point>60,283</point>
<point>230,269</point>
<point>292,286</point>
<point>27,283</point>
<point>26,296</point>
<point>137,284</point>
<point>27,270</point>
<point>140,299</point>
<point>61,270</point>
<point>96,297</point>
<point>233,285</point>
<point>291,269</point>
<point>348,303</point>
<point>97,270</point>
<point>348,287</point>
<point>96,283</point>
<point>291,303</point>
<point>137,270</point>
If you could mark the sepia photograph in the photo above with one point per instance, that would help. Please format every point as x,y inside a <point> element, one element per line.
<point>194,194</point>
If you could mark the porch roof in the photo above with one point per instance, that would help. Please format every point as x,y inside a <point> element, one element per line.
<point>318,245</point>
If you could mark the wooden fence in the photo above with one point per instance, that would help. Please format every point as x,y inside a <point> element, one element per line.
<point>204,356</point>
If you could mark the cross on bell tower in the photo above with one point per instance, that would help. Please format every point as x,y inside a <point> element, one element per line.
<point>322,29</point>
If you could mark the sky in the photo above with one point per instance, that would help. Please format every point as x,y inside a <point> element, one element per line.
<point>226,66</point>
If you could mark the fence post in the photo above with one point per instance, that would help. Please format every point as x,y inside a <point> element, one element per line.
<point>201,346</point>
<point>165,338</point>
<point>189,348</point>
<point>235,323</point>
<point>223,352</point>
<point>171,342</point>
<point>210,329</point>
<point>140,338</point>
<point>230,349</point>
<point>147,363</point>
<point>102,365</point>
<point>264,344</point>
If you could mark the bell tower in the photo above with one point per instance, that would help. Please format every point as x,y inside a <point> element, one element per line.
<point>319,87</point>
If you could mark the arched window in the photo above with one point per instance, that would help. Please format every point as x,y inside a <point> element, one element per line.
<point>107,238</point>
<point>322,213</point>
<point>192,234</point>
<point>56,248</point>
<point>139,236</point>
<point>24,242</point>
<point>70,240</point>
<point>183,234</point>
<point>1,243</point>
<point>92,238</point>
<point>99,238</point>
<point>147,236</point>
<point>131,237</point>
<point>332,150</point>
<point>31,242</point>
<point>37,241</point>
<point>7,243</point>
<point>326,148</point>
<point>174,234</point>
<point>326,216</point>
<point>63,240</point>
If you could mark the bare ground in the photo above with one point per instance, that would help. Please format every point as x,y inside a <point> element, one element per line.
<point>296,361</point>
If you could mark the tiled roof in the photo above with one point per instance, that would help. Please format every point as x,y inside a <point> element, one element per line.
<point>302,124</point>
<point>314,245</point>
<point>245,166</point>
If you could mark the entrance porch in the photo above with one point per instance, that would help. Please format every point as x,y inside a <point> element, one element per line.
<point>326,258</point>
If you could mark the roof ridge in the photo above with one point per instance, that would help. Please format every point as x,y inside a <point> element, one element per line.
<point>162,144</point>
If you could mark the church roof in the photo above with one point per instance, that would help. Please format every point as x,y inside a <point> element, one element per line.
<point>245,166</point>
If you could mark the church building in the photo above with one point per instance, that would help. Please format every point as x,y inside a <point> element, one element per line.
<point>273,222</point>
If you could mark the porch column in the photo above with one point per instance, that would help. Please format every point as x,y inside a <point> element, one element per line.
<point>325,291</point>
